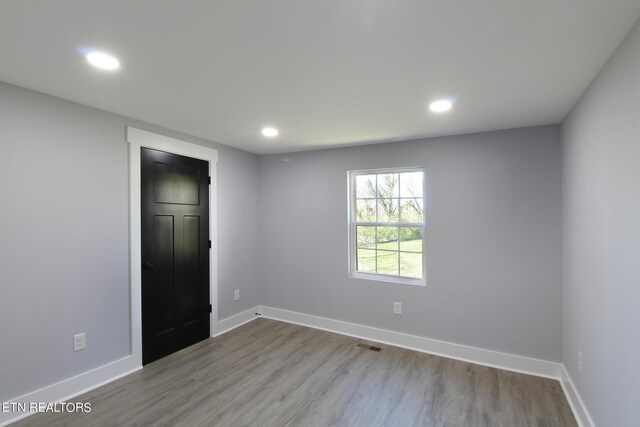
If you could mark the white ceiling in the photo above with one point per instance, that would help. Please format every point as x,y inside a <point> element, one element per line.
<point>324,72</point>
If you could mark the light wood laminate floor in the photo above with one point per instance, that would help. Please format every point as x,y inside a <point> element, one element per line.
<point>269,373</point>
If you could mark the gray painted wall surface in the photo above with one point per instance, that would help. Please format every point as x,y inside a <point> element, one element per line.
<point>493,248</point>
<point>601,185</point>
<point>64,236</point>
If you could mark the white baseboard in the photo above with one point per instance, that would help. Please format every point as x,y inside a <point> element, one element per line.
<point>232,322</point>
<point>575,401</point>
<point>494,359</point>
<point>67,389</point>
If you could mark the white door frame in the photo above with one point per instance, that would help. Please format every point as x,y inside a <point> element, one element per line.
<point>138,138</point>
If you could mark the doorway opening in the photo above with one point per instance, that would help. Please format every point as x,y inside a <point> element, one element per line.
<point>139,139</point>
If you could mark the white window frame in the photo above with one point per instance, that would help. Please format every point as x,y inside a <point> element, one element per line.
<point>353,273</point>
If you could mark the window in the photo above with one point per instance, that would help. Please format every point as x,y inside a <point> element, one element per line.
<point>387,224</point>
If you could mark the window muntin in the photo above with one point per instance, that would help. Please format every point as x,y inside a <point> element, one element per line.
<point>387,225</point>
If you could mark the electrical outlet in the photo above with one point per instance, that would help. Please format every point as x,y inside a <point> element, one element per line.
<point>397,308</point>
<point>236,295</point>
<point>580,361</point>
<point>79,342</point>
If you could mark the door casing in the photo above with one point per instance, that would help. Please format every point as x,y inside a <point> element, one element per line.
<point>138,138</point>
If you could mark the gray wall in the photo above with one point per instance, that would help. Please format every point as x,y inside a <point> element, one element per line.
<point>493,240</point>
<point>64,236</point>
<point>601,185</point>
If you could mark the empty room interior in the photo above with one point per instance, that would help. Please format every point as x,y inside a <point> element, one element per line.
<point>320,213</point>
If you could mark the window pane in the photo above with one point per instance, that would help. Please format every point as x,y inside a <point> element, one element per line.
<point>388,238</point>
<point>366,260</point>
<point>388,262</point>
<point>365,186</point>
<point>366,210</point>
<point>366,236</point>
<point>411,210</point>
<point>411,184</point>
<point>388,185</point>
<point>411,265</point>
<point>411,239</point>
<point>388,210</point>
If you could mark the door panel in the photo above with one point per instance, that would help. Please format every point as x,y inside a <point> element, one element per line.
<point>161,297</point>
<point>191,249</point>
<point>175,252</point>
<point>176,184</point>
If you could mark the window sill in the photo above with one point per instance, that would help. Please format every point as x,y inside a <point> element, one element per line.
<point>388,279</point>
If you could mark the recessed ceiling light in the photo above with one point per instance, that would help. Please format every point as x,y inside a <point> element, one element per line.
<point>102,60</point>
<point>440,106</point>
<point>270,132</point>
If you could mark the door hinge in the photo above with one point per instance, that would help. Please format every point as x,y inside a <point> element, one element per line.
<point>210,308</point>
<point>209,244</point>
<point>209,180</point>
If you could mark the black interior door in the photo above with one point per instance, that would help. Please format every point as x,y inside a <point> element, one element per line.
<point>175,252</point>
